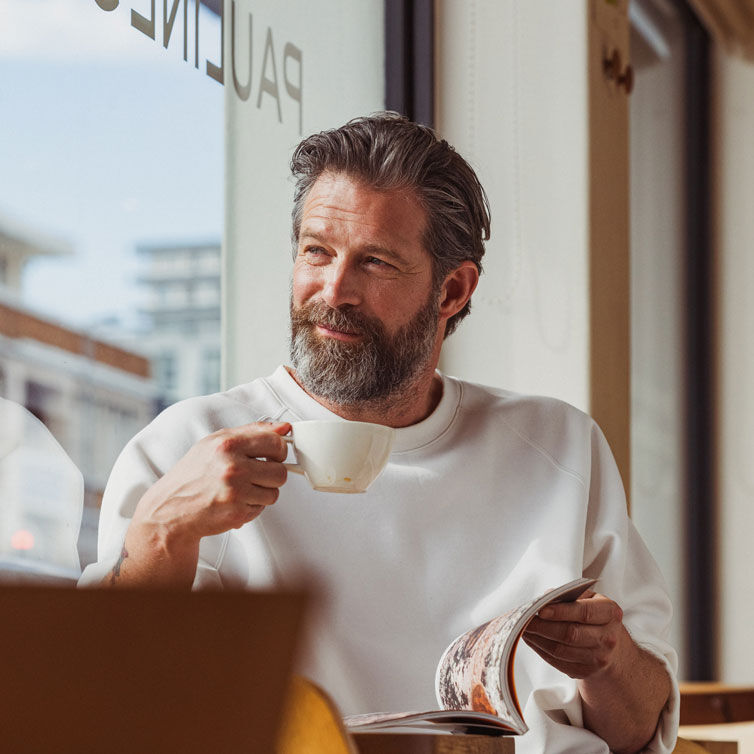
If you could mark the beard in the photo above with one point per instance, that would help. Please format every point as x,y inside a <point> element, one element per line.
<point>373,370</point>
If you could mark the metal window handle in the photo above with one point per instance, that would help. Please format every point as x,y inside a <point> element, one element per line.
<point>611,66</point>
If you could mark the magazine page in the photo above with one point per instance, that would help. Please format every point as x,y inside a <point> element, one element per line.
<point>476,670</point>
<point>453,721</point>
<point>474,679</point>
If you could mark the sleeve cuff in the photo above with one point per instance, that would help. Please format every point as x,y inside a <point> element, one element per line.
<point>667,728</point>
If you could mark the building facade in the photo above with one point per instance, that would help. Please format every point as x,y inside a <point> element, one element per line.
<point>180,312</point>
<point>92,395</point>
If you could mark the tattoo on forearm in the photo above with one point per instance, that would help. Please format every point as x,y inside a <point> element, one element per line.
<point>115,573</point>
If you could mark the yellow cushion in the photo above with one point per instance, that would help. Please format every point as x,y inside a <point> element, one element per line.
<point>312,723</point>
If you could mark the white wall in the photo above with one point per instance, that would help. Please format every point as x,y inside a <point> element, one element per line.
<point>341,75</point>
<point>735,395</point>
<point>512,98</point>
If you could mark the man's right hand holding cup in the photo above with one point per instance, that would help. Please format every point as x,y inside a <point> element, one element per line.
<point>223,482</point>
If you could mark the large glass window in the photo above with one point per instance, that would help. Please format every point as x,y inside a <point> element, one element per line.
<point>111,215</point>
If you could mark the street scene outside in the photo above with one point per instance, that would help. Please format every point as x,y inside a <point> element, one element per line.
<point>111,210</point>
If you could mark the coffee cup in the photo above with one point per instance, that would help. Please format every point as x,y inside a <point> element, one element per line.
<point>339,456</point>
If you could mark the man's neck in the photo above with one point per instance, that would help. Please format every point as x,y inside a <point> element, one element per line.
<point>415,403</point>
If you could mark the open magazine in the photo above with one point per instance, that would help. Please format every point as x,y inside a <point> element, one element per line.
<point>474,679</point>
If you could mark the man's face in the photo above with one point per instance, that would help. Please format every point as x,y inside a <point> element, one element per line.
<point>364,315</point>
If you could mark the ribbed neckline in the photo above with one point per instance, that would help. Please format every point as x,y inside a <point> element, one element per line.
<point>406,438</point>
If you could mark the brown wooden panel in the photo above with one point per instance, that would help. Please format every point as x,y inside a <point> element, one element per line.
<point>609,265</point>
<point>712,703</point>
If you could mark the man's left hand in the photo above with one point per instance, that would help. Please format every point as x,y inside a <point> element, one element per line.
<point>623,688</point>
<point>579,638</point>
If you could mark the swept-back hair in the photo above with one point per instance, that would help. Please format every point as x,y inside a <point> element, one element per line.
<point>387,151</point>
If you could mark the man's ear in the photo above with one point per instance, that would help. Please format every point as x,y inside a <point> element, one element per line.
<point>457,288</point>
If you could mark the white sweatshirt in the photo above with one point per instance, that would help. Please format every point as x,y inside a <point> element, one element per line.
<point>491,500</point>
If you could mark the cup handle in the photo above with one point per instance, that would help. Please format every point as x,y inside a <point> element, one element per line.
<point>294,467</point>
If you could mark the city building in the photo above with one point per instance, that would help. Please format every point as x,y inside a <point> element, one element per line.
<point>91,394</point>
<point>180,311</point>
<point>18,244</point>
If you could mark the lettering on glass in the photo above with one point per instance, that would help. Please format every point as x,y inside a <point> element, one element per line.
<point>168,21</point>
<point>294,88</point>
<point>143,24</point>
<point>269,84</point>
<point>262,56</point>
<point>242,90</point>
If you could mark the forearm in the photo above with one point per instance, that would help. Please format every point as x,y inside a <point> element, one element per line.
<point>223,482</point>
<point>152,558</point>
<point>623,703</point>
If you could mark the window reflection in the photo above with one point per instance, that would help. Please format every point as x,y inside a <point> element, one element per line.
<point>42,495</point>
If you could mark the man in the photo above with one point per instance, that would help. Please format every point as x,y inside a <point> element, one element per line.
<point>489,498</point>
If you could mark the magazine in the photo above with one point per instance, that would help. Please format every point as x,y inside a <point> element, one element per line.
<point>474,679</point>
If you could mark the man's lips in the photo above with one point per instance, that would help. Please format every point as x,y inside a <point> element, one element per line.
<point>331,332</point>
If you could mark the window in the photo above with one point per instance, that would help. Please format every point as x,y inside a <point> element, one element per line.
<point>166,371</point>
<point>211,370</point>
<point>111,143</point>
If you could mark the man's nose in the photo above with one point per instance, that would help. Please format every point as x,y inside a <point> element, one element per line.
<point>341,286</point>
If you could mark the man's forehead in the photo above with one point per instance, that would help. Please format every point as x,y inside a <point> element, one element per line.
<point>331,182</point>
<point>340,197</point>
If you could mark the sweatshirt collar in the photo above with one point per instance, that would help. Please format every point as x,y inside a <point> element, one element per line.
<point>413,437</point>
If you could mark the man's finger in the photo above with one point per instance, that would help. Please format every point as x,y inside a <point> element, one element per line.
<point>566,632</point>
<point>555,652</point>
<point>574,670</point>
<point>597,610</point>
<point>255,441</point>
<point>255,472</point>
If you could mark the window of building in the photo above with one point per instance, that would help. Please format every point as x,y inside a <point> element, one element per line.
<point>166,370</point>
<point>211,370</point>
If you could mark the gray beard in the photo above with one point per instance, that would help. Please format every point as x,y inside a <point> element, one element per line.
<point>374,370</point>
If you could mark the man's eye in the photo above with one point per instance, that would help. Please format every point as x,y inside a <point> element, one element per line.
<point>376,262</point>
<point>315,253</point>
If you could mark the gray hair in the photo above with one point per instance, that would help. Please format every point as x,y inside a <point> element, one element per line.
<point>388,151</point>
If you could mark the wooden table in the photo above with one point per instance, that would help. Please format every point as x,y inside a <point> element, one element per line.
<point>426,743</point>
<point>725,738</point>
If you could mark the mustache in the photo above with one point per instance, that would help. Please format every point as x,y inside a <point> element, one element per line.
<point>344,320</point>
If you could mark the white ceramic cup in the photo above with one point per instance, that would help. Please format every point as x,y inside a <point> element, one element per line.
<point>339,456</point>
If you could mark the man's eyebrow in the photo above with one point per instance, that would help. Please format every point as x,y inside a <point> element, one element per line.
<point>313,235</point>
<point>376,249</point>
<point>383,251</point>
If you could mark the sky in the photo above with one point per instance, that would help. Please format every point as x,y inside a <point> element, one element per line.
<point>107,140</point>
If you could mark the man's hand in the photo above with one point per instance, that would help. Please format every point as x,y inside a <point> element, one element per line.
<point>224,481</point>
<point>623,688</point>
<point>578,638</point>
